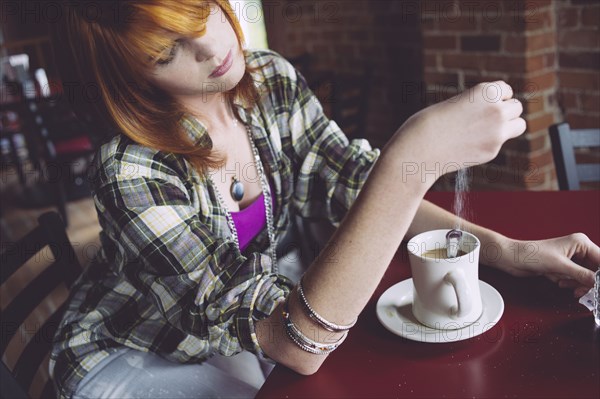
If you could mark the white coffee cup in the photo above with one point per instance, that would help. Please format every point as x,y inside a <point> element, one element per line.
<point>446,291</point>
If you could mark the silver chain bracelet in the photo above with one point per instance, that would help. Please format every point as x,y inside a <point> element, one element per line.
<point>303,341</point>
<point>329,326</point>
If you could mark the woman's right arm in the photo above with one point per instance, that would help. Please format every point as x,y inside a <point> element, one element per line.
<point>468,129</point>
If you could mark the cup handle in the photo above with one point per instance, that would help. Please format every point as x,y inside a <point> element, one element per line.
<point>458,280</point>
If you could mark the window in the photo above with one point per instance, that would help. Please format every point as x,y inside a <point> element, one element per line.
<point>251,16</point>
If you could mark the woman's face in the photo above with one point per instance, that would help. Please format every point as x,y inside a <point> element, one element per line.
<point>204,65</point>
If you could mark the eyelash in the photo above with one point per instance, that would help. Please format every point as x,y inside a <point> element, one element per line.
<point>171,56</point>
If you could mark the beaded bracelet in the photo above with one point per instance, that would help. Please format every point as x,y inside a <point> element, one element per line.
<point>329,326</point>
<point>303,341</point>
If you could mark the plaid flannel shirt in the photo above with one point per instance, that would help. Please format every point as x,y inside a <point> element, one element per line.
<point>169,277</point>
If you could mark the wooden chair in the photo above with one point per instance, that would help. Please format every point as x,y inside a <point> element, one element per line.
<point>36,274</point>
<point>564,143</point>
<point>68,145</point>
<point>14,122</point>
<point>56,142</point>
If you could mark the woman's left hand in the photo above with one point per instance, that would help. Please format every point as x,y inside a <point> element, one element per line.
<point>567,260</point>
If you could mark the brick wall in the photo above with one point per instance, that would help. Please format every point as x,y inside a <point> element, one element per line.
<point>466,42</point>
<point>345,35</point>
<point>548,50</point>
<point>579,59</point>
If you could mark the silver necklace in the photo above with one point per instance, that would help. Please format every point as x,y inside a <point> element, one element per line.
<point>237,187</point>
<point>267,199</point>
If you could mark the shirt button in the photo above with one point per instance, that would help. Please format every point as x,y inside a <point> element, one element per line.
<point>212,312</point>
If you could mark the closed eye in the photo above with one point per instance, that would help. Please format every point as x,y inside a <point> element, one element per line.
<point>170,56</point>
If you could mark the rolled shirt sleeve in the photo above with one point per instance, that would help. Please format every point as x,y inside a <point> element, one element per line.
<point>332,169</point>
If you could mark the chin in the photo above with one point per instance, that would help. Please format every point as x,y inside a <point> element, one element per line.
<point>235,75</point>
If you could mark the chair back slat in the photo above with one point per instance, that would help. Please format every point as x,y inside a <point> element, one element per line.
<point>564,157</point>
<point>35,352</point>
<point>39,292</point>
<point>61,246</point>
<point>585,138</point>
<point>27,300</point>
<point>14,255</point>
<point>588,172</point>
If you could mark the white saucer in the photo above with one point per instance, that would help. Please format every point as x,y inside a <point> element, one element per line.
<point>394,311</point>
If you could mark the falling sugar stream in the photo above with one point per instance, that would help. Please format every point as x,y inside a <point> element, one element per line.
<point>461,206</point>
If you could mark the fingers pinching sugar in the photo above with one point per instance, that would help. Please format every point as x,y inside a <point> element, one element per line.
<point>505,91</point>
<point>495,92</point>
<point>514,108</point>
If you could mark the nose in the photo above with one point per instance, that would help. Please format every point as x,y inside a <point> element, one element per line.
<point>204,48</point>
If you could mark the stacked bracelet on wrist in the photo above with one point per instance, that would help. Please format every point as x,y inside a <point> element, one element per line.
<point>329,326</point>
<point>303,341</point>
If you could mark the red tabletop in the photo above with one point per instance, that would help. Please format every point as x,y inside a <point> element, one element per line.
<point>545,344</point>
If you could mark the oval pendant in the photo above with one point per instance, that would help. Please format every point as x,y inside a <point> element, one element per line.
<point>237,189</point>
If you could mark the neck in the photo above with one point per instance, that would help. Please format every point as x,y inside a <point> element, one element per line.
<point>213,109</point>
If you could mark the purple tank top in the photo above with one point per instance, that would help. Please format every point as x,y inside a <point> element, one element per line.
<point>250,221</point>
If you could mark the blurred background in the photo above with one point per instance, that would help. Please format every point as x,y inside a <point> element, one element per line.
<point>372,64</point>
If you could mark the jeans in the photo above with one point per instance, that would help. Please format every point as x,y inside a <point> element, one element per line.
<point>129,373</point>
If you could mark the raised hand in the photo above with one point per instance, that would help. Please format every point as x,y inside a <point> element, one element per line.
<point>462,131</point>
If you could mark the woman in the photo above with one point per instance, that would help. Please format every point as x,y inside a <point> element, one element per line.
<point>216,147</point>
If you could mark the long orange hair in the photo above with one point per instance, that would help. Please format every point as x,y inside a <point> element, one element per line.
<point>106,50</point>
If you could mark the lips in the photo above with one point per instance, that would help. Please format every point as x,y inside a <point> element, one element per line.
<point>224,67</point>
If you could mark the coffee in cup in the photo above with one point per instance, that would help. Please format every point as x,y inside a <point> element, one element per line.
<point>440,253</point>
